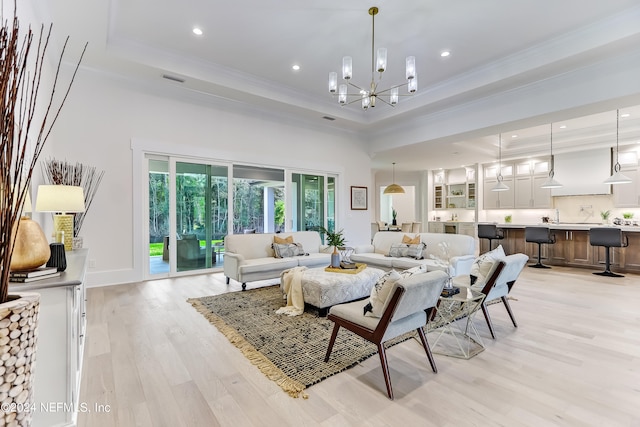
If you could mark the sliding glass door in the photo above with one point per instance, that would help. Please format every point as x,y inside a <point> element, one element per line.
<point>313,202</point>
<point>192,205</point>
<point>201,214</point>
<point>188,215</point>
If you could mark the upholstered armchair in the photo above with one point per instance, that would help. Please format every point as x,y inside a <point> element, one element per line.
<point>410,299</point>
<point>499,281</point>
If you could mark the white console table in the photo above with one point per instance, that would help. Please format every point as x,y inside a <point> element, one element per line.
<point>61,333</point>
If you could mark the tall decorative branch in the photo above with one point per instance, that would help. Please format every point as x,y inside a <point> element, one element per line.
<point>22,135</point>
<point>64,173</point>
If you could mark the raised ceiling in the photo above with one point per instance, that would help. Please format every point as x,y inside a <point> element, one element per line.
<point>245,56</point>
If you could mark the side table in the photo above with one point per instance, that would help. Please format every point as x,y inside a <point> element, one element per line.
<point>454,322</point>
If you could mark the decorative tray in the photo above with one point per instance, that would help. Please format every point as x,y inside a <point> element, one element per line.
<point>358,269</point>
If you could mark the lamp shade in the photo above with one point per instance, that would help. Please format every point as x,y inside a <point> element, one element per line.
<point>618,178</point>
<point>60,198</point>
<point>393,189</point>
<point>500,186</point>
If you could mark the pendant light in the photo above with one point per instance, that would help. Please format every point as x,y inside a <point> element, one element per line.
<point>551,182</point>
<point>617,177</point>
<point>500,186</point>
<point>394,188</point>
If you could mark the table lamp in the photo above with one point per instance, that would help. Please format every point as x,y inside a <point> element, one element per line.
<point>62,200</point>
<point>31,249</point>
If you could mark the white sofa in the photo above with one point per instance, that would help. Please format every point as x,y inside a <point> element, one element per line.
<point>461,252</point>
<point>250,257</point>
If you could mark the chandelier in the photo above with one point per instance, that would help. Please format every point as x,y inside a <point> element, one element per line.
<point>368,95</point>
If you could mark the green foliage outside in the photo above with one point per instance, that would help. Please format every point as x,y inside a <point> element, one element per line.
<point>155,249</point>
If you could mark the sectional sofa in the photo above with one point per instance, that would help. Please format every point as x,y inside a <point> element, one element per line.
<point>458,259</point>
<point>250,257</point>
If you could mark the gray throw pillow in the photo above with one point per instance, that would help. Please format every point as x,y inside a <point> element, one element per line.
<point>398,250</point>
<point>287,250</point>
<point>415,251</point>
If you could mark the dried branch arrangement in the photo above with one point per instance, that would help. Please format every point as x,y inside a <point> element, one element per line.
<point>22,135</point>
<point>64,173</point>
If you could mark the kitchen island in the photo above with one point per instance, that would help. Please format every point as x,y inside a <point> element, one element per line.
<point>572,248</point>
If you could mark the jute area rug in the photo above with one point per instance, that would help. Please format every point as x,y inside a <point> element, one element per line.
<point>288,350</point>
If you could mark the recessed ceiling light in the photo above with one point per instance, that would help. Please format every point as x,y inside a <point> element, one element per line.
<point>514,135</point>
<point>563,127</point>
<point>624,116</point>
<point>445,53</point>
<point>197,31</point>
<point>295,67</point>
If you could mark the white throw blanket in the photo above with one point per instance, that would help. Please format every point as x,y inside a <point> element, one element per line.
<point>291,283</point>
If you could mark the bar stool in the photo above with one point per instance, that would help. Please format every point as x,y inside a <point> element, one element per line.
<point>608,237</point>
<point>539,235</point>
<point>490,232</point>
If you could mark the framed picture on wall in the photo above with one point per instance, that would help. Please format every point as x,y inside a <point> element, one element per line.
<point>358,198</point>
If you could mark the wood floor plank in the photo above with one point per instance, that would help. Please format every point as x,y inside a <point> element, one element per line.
<point>574,359</point>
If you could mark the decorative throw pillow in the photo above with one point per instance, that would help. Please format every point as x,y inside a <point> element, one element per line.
<point>380,293</point>
<point>411,240</point>
<point>415,251</point>
<point>287,250</point>
<point>483,264</point>
<point>398,250</point>
<point>280,240</point>
<point>414,270</point>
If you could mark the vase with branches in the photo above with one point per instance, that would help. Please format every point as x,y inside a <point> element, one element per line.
<point>60,172</point>
<point>24,129</point>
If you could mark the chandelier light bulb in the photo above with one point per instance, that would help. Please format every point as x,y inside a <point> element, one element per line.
<point>333,81</point>
<point>393,98</point>
<point>347,67</point>
<point>413,84</point>
<point>411,67</point>
<point>365,100</point>
<point>381,62</point>
<point>342,94</point>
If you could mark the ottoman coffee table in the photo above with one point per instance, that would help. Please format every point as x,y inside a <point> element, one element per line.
<point>323,289</point>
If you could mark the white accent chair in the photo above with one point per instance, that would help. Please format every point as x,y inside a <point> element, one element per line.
<point>406,310</point>
<point>501,278</point>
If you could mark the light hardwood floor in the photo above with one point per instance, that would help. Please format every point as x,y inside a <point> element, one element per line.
<point>574,360</point>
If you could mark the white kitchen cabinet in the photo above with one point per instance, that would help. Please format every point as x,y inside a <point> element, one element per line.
<point>628,195</point>
<point>61,335</point>
<point>528,193</point>
<point>436,227</point>
<point>498,199</point>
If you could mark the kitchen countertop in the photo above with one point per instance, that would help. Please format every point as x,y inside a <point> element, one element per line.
<point>571,226</point>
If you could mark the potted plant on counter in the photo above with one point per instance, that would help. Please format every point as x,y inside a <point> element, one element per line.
<point>394,214</point>
<point>605,216</point>
<point>335,239</point>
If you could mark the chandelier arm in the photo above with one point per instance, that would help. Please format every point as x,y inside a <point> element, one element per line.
<point>393,87</point>
<point>356,86</point>
<point>383,100</point>
<point>351,102</point>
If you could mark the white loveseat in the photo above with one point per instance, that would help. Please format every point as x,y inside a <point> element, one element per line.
<point>250,257</point>
<point>461,252</point>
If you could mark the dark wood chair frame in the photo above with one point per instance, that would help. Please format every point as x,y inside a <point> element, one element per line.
<point>376,336</point>
<point>487,288</point>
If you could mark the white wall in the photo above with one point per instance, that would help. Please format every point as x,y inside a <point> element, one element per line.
<point>103,117</point>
